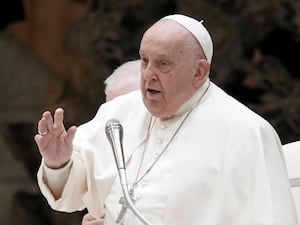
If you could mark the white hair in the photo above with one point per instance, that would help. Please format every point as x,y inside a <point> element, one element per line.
<point>124,79</point>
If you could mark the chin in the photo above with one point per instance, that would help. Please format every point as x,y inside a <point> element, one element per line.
<point>151,106</point>
<point>155,108</point>
<point>157,112</point>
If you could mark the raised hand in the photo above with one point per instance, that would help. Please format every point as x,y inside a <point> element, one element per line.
<point>53,141</point>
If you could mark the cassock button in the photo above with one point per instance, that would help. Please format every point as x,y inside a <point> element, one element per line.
<point>137,197</point>
<point>159,141</point>
<point>145,183</point>
<point>163,127</point>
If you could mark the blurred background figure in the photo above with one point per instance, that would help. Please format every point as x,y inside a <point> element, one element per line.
<point>124,79</point>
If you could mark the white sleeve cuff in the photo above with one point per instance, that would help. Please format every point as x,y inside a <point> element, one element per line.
<point>56,178</point>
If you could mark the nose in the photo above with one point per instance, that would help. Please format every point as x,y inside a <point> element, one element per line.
<point>148,73</point>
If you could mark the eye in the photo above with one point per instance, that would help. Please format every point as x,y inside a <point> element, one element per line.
<point>144,62</point>
<point>164,66</point>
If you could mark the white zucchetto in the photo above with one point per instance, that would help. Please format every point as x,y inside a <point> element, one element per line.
<point>198,30</point>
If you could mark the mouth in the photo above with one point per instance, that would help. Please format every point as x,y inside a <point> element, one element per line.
<point>153,91</point>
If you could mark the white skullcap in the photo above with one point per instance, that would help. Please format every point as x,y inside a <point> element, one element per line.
<point>198,30</point>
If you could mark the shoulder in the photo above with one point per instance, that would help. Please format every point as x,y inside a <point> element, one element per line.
<point>133,97</point>
<point>229,111</point>
<point>126,108</point>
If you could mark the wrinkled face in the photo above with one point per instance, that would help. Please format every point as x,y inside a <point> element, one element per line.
<point>168,68</point>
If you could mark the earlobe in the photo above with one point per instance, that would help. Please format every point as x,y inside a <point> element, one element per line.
<point>201,73</point>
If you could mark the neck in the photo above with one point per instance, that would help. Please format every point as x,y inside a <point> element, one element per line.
<point>192,102</point>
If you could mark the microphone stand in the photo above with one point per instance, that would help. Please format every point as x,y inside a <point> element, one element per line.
<point>114,132</point>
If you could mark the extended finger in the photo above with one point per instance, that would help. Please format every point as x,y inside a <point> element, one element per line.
<point>49,120</point>
<point>58,117</point>
<point>42,126</point>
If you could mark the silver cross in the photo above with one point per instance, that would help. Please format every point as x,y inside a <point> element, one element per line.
<point>124,203</point>
<point>123,209</point>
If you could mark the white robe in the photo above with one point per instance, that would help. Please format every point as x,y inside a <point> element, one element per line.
<point>224,167</point>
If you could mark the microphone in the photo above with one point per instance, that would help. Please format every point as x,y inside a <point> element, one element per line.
<point>114,133</point>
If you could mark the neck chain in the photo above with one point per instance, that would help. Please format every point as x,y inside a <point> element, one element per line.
<point>137,179</point>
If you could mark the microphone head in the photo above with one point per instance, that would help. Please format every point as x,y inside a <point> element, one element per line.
<point>113,124</point>
<point>114,133</point>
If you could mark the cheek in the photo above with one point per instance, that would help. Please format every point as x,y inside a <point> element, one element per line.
<point>172,88</point>
<point>142,84</point>
<point>182,88</point>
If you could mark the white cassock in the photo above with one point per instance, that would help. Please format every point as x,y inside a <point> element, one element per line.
<point>224,166</point>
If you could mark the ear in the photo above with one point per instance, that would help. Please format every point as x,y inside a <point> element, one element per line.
<point>202,72</point>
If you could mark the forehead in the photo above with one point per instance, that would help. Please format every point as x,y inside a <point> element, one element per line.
<point>164,36</point>
<point>165,30</point>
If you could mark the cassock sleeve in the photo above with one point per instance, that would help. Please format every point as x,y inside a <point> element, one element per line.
<point>65,189</point>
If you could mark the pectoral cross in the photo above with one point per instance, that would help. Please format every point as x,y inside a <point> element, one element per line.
<point>124,207</point>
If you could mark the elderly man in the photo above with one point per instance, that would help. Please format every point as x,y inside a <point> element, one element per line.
<point>194,155</point>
